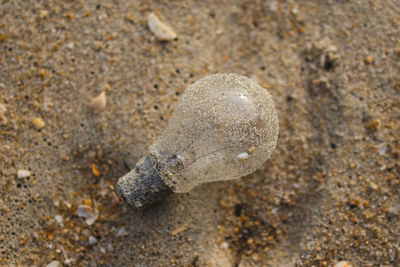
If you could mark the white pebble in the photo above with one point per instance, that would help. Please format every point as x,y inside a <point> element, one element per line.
<point>93,218</point>
<point>58,219</point>
<point>296,185</point>
<point>69,261</point>
<point>382,149</point>
<point>70,45</point>
<point>273,6</point>
<point>242,157</point>
<point>110,248</point>
<point>162,31</point>
<point>84,211</point>
<point>122,232</point>
<point>92,240</point>
<point>85,232</point>
<point>343,264</point>
<point>23,174</point>
<point>3,108</point>
<point>53,264</point>
<point>224,245</point>
<point>99,102</point>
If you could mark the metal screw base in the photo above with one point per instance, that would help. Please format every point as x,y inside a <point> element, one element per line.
<point>142,186</point>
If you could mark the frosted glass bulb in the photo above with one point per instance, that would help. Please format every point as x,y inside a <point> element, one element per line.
<point>224,126</point>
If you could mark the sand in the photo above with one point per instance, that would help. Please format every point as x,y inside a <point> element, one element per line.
<point>329,193</point>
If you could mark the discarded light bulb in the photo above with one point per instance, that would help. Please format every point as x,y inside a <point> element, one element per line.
<point>224,126</point>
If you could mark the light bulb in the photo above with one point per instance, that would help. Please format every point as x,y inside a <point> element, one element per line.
<point>224,126</point>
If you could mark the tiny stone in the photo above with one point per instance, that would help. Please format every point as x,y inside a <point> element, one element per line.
<point>43,13</point>
<point>110,248</point>
<point>296,185</point>
<point>92,240</point>
<point>343,264</point>
<point>92,219</point>
<point>122,232</point>
<point>382,149</point>
<point>23,174</point>
<point>38,123</point>
<point>162,31</point>
<point>273,6</point>
<point>3,37</point>
<point>178,230</point>
<point>252,149</point>
<point>99,102</point>
<point>53,264</point>
<point>84,211</point>
<point>3,108</point>
<point>242,157</point>
<point>3,119</point>
<point>224,245</point>
<point>58,219</point>
<point>369,59</point>
<point>373,185</point>
<point>373,125</point>
<point>70,45</point>
<point>85,232</point>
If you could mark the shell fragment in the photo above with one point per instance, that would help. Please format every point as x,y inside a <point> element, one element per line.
<point>162,31</point>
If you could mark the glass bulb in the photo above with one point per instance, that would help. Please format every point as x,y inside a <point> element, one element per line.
<point>224,126</point>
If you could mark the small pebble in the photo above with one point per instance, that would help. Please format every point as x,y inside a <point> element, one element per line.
<point>68,261</point>
<point>23,174</point>
<point>53,264</point>
<point>3,108</point>
<point>273,6</point>
<point>84,211</point>
<point>224,245</point>
<point>99,102</point>
<point>373,185</point>
<point>70,45</point>
<point>58,219</point>
<point>369,59</point>
<point>85,232</point>
<point>252,149</point>
<point>382,149</point>
<point>296,185</point>
<point>162,31</point>
<point>93,218</point>
<point>38,123</point>
<point>3,37</point>
<point>373,125</point>
<point>178,230</point>
<point>3,119</point>
<point>242,157</point>
<point>122,232</point>
<point>343,264</point>
<point>92,240</point>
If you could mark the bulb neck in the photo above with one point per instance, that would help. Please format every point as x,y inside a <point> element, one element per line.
<point>142,186</point>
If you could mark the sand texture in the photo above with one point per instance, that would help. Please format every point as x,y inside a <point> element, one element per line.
<point>330,191</point>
